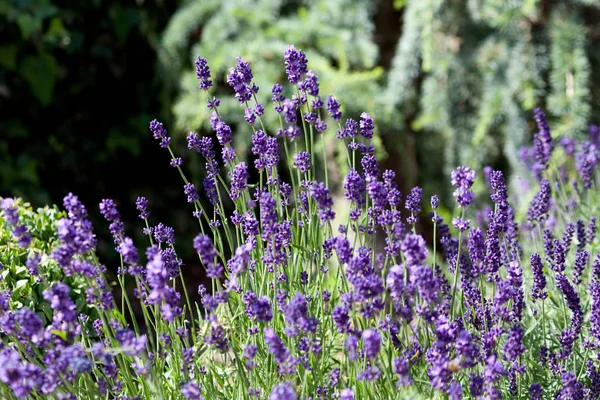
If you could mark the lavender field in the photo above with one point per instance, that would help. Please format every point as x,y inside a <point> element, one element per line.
<point>378,295</point>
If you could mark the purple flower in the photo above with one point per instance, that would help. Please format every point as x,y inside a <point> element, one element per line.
<point>341,318</point>
<point>289,111</point>
<point>213,103</point>
<point>542,143</point>
<point>142,206</point>
<point>320,125</point>
<point>401,367</point>
<point>296,316</point>
<point>461,224</point>
<point>223,132</point>
<point>413,204</point>
<point>354,186</point>
<point>240,78</point>
<point>295,64</point>
<point>595,295</point>
<point>268,214</point>
<point>320,193</point>
<point>493,370</point>
<point>128,251</point>
<point>32,263</point>
<point>61,303</point>
<point>176,162</point>
<point>310,85</point>
<point>160,133</point>
<point>239,179</point>
<point>191,391</point>
<point>414,249</point>
<point>29,323</point>
<point>378,194</point>
<point>276,346</point>
<point>581,260</point>
<point>10,211</point>
<point>277,92</point>
<point>333,107</point>
<point>539,280</point>
<point>571,389</point>
<point>568,144</point>
<point>258,308</point>
<point>540,204</point>
<point>130,343</point>
<point>574,304</point>
<point>205,249</point>
<point>347,394</point>
<point>455,391</point>
<point>21,377</point>
<point>366,126</point>
<point>249,116</point>
<point>467,349</point>
<point>108,209</point>
<point>350,129</point>
<point>371,343</point>
<point>591,233</point>
<point>210,189</point>
<point>283,391</point>
<point>302,161</point>
<point>164,234</point>
<point>513,347</point>
<point>463,178</point>
<point>586,160</point>
<point>202,145</point>
<point>190,191</point>
<point>535,392</point>
<point>369,374</point>
<point>203,73</point>
<point>158,129</point>
<point>581,235</point>
<point>249,354</point>
<point>435,202</point>
<point>371,167</point>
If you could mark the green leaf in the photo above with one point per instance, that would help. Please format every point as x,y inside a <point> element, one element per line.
<point>20,270</point>
<point>296,246</point>
<point>120,317</point>
<point>399,4</point>
<point>19,287</point>
<point>39,72</point>
<point>8,57</point>
<point>125,19</point>
<point>60,334</point>
<point>47,10</point>
<point>56,31</point>
<point>28,25</point>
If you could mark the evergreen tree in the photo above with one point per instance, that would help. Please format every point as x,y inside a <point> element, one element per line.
<point>474,71</point>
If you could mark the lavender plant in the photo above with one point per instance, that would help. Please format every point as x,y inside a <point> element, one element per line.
<point>305,304</point>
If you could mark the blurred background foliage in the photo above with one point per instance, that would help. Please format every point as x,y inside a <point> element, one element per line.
<point>448,82</point>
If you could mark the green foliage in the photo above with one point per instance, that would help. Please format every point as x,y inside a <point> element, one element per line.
<point>335,34</point>
<point>475,70</point>
<point>27,289</point>
<point>59,64</point>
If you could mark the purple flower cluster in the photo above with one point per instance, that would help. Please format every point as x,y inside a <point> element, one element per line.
<point>295,64</point>
<point>543,144</point>
<point>463,179</point>
<point>240,79</point>
<point>540,205</point>
<point>160,133</point>
<point>587,159</point>
<point>301,307</point>
<point>11,214</point>
<point>203,73</point>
